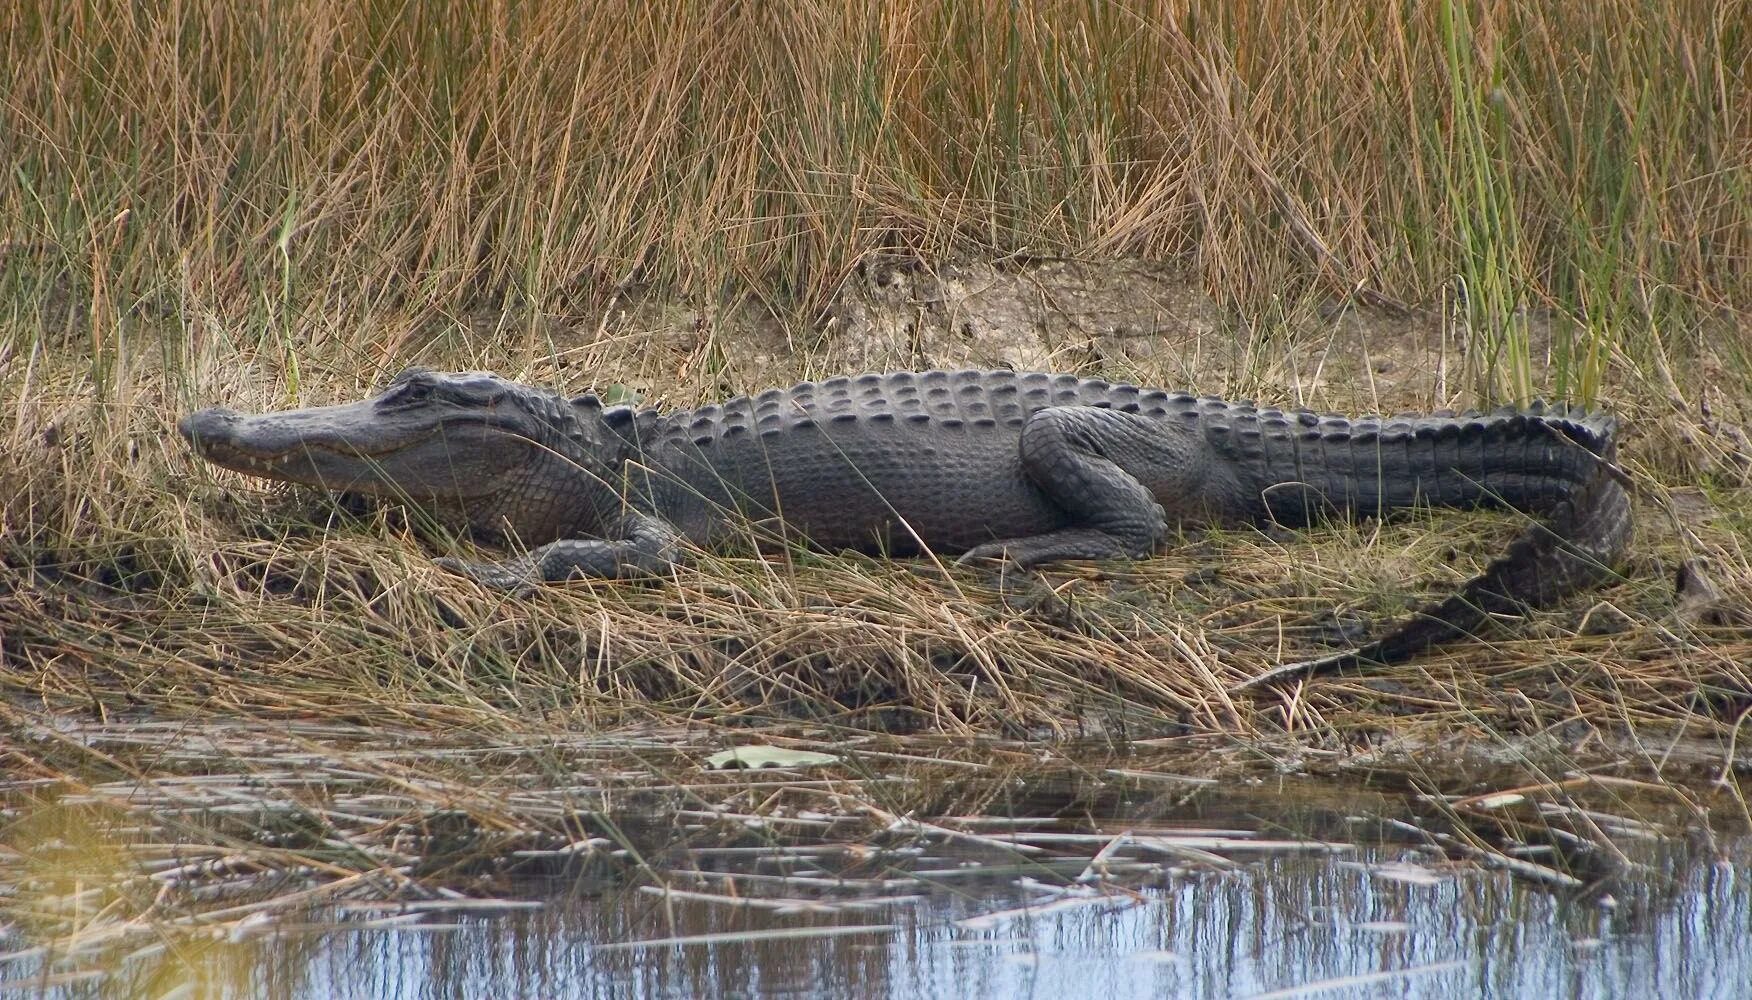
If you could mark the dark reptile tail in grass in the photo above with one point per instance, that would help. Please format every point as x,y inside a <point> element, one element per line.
<point>1583,535</point>
<point>984,464</point>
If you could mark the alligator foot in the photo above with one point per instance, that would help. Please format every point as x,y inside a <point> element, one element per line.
<point>567,559</point>
<point>646,546</point>
<point>513,576</point>
<point>1055,546</point>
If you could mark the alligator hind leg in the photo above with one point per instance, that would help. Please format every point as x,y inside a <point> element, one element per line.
<point>1079,456</point>
<point>646,546</point>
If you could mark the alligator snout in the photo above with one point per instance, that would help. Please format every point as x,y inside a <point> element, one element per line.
<point>242,442</point>
<point>201,427</point>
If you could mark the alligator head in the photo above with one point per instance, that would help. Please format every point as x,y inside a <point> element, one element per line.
<point>507,456</point>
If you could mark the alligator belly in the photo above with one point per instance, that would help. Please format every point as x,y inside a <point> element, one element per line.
<point>893,501</point>
<point>903,522</point>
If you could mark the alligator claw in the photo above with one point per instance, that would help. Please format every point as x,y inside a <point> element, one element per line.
<point>993,551</point>
<point>493,576</point>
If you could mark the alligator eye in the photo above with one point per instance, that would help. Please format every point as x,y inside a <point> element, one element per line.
<point>411,394</point>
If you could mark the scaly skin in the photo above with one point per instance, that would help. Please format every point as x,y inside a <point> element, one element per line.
<point>1028,467</point>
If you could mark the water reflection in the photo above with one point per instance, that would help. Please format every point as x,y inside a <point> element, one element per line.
<point>1282,922</point>
<point>1217,892</point>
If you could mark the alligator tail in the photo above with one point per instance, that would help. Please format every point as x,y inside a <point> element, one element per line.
<point>1574,548</point>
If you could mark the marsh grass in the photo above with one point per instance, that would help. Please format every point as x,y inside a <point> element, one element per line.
<point>259,167</point>
<point>271,207</point>
<point>300,231</point>
<point>275,205</point>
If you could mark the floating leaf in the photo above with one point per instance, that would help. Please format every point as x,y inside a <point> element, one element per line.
<point>764,756</point>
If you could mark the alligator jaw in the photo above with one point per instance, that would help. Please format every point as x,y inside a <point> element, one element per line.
<point>346,448</point>
<point>291,447</point>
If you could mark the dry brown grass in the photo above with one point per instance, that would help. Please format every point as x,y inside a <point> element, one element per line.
<point>274,164</point>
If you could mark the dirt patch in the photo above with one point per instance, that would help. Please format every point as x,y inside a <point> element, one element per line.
<point>1139,320</point>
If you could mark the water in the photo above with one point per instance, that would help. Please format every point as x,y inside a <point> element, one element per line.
<point>1277,925</point>
<point>1292,888</point>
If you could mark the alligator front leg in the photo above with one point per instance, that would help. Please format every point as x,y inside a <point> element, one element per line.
<point>645,546</point>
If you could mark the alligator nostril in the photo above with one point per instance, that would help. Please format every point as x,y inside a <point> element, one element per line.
<point>205,422</point>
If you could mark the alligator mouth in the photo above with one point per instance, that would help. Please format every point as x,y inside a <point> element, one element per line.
<point>234,455</point>
<point>272,446</point>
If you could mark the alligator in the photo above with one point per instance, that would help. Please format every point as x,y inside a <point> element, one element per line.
<point>1025,467</point>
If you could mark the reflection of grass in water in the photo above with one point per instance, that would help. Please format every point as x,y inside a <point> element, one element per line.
<point>86,904</point>
<point>75,879</point>
<point>257,830</point>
